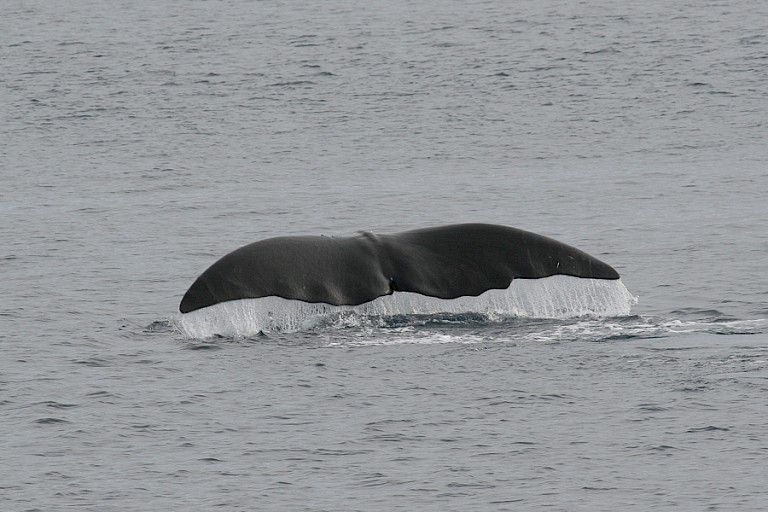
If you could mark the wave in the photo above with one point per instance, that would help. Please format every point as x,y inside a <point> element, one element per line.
<point>435,330</point>
<point>556,297</point>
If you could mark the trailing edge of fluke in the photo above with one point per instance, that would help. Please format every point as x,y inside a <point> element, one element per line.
<point>445,262</point>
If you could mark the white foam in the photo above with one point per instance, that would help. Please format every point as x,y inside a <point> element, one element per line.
<point>552,297</point>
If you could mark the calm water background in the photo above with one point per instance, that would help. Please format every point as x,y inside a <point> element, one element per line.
<point>140,141</point>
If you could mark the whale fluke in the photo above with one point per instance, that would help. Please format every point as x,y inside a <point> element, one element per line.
<point>446,262</point>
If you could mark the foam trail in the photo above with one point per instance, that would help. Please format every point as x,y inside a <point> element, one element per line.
<point>557,297</point>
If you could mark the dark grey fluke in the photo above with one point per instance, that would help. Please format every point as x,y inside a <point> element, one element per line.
<point>445,262</point>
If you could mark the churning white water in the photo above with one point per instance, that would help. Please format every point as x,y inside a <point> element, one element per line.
<point>552,297</point>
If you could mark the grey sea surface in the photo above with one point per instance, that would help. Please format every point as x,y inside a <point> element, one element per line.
<point>140,141</point>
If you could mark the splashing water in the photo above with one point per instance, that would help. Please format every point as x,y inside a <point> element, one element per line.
<point>557,297</point>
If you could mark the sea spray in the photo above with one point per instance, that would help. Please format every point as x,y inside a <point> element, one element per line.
<point>557,297</point>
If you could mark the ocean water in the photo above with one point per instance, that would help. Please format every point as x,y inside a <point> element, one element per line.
<point>140,141</point>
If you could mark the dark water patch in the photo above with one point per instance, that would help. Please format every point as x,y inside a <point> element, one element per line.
<point>487,454</point>
<point>692,348</point>
<point>339,453</point>
<point>652,407</point>
<point>96,362</point>
<point>101,394</point>
<point>50,421</point>
<point>146,361</point>
<point>202,346</point>
<point>375,480</point>
<point>395,438</point>
<point>694,388</point>
<point>37,72</point>
<point>699,405</point>
<point>554,396</point>
<point>471,485</point>
<point>709,428</point>
<point>59,474</point>
<point>735,330</point>
<point>663,448</point>
<point>376,424</point>
<point>609,49</point>
<point>57,405</point>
